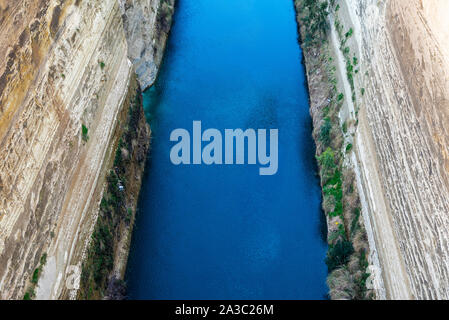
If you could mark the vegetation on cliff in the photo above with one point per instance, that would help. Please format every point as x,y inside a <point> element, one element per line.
<point>30,292</point>
<point>346,257</point>
<point>164,16</point>
<point>116,210</point>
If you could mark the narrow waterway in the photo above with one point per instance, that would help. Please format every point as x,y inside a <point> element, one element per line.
<point>225,232</point>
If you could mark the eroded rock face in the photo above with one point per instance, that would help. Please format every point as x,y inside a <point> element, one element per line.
<point>402,138</point>
<point>63,64</point>
<point>147,24</point>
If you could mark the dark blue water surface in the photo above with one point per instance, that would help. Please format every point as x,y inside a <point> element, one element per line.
<point>225,232</point>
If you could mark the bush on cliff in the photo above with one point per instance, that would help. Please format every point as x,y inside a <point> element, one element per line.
<point>339,254</point>
<point>327,163</point>
<point>115,212</point>
<point>325,132</point>
<point>315,20</point>
<point>84,133</point>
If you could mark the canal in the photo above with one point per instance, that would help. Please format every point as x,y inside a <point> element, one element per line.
<point>225,232</point>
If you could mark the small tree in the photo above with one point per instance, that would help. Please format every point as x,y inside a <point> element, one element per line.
<point>327,163</point>
<point>327,159</point>
<point>339,254</point>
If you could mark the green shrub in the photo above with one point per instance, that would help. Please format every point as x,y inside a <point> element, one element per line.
<point>84,133</point>
<point>349,33</point>
<point>355,221</point>
<point>349,148</point>
<point>104,205</point>
<point>349,67</point>
<point>326,110</point>
<point>44,259</point>
<point>339,254</point>
<point>129,215</point>
<point>363,265</point>
<point>103,250</point>
<point>334,188</point>
<point>315,20</point>
<point>327,159</point>
<point>35,277</point>
<point>118,154</point>
<point>29,294</point>
<point>325,132</point>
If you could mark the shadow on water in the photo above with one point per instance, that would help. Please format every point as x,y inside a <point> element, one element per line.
<point>306,150</point>
<point>310,148</point>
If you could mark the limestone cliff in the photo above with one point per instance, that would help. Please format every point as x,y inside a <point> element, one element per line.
<point>65,75</point>
<point>393,61</point>
<point>146,26</point>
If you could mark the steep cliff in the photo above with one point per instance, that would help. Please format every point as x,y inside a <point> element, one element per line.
<point>106,255</point>
<point>347,256</point>
<point>147,23</point>
<point>64,81</point>
<point>392,60</point>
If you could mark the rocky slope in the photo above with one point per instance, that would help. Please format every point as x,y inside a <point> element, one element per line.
<point>400,85</point>
<point>65,75</point>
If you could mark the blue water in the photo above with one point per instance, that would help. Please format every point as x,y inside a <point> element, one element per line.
<point>225,232</point>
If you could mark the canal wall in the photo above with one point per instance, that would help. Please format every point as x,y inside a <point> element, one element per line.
<point>147,26</point>
<point>67,86</point>
<point>349,253</point>
<point>390,63</point>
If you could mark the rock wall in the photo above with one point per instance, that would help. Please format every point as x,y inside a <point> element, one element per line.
<point>147,23</point>
<point>64,65</point>
<point>105,256</point>
<point>348,246</point>
<point>401,155</point>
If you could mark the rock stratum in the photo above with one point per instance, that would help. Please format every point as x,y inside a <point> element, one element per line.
<point>66,73</point>
<point>401,157</point>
